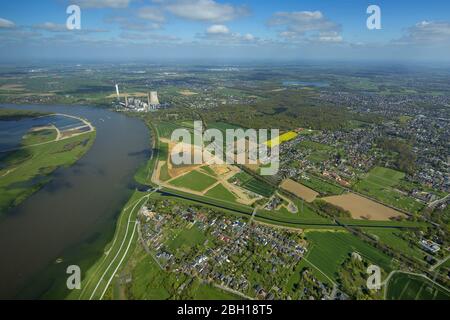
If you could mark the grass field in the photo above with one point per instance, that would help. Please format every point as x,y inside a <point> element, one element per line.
<point>149,281</point>
<point>208,292</point>
<point>380,182</point>
<point>319,152</point>
<point>186,237</point>
<point>152,283</point>
<point>220,192</point>
<point>25,171</point>
<point>194,180</point>
<point>166,128</point>
<point>39,136</point>
<point>329,250</point>
<point>404,286</point>
<point>209,171</point>
<point>321,186</point>
<point>314,146</point>
<point>96,280</point>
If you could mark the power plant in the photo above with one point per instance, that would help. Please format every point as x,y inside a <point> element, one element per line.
<point>139,104</point>
<point>153,99</point>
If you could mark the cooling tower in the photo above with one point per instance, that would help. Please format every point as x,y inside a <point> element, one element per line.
<point>154,98</point>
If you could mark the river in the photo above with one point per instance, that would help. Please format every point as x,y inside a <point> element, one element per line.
<point>70,219</point>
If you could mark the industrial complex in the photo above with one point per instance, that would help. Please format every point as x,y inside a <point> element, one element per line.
<point>139,104</point>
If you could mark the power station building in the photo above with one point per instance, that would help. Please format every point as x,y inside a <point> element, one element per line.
<point>139,104</point>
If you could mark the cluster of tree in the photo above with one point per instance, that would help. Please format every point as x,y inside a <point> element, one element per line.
<point>406,159</point>
<point>287,110</point>
<point>309,287</point>
<point>353,280</point>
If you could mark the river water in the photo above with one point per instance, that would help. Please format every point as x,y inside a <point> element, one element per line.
<point>70,219</point>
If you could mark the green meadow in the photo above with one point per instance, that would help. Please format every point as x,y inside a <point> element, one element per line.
<point>26,170</point>
<point>329,249</point>
<point>220,192</point>
<point>404,286</point>
<point>194,180</point>
<point>380,183</point>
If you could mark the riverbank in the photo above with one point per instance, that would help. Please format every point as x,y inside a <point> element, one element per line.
<point>71,219</point>
<point>28,167</point>
<point>14,115</point>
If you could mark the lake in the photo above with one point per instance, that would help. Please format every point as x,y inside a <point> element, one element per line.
<point>318,84</point>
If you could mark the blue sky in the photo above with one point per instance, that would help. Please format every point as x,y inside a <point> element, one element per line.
<point>221,29</point>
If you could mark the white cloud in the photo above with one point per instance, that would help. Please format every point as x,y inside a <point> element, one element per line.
<point>306,25</point>
<point>248,37</point>
<point>331,36</point>
<point>99,4</point>
<point>205,10</point>
<point>218,29</point>
<point>152,14</point>
<point>222,35</point>
<point>6,23</point>
<point>427,32</point>
<point>50,26</point>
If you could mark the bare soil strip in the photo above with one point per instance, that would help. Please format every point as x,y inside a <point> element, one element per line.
<point>363,208</point>
<point>305,193</point>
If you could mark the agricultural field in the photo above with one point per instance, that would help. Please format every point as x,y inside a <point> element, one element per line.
<point>194,180</point>
<point>246,181</point>
<point>404,286</point>
<point>259,187</point>
<point>380,183</point>
<point>285,137</point>
<point>329,249</point>
<point>363,208</point>
<point>299,190</point>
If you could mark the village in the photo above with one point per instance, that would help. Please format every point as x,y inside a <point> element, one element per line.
<point>229,253</point>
